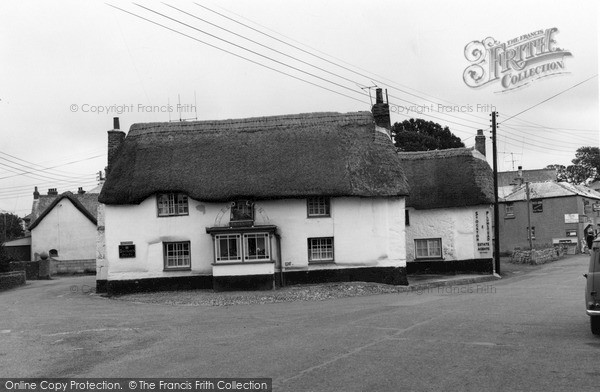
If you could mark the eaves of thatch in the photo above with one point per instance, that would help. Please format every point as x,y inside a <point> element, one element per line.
<point>456,177</point>
<point>292,156</point>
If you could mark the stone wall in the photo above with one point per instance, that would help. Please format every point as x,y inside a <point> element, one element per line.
<point>536,256</point>
<point>72,266</point>
<point>12,279</point>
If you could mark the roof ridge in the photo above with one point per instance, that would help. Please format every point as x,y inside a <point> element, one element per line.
<point>254,123</point>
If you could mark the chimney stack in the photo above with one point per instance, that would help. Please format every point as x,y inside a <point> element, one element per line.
<point>381,111</point>
<point>520,175</point>
<point>36,194</point>
<point>80,191</point>
<point>52,192</point>
<point>115,139</point>
<point>480,142</point>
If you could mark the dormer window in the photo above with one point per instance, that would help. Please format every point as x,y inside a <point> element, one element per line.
<point>172,204</point>
<point>242,213</point>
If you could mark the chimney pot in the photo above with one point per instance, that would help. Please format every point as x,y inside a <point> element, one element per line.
<point>36,194</point>
<point>378,96</point>
<point>116,123</point>
<point>80,191</point>
<point>480,142</point>
<point>381,111</point>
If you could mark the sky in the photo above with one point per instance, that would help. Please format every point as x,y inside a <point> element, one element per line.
<point>68,67</point>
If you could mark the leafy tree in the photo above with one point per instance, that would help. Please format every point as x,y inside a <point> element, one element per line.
<point>421,135</point>
<point>585,167</point>
<point>10,227</point>
<point>588,158</point>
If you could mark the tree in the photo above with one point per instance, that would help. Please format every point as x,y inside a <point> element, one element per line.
<point>585,167</point>
<point>420,135</point>
<point>588,159</point>
<point>10,227</point>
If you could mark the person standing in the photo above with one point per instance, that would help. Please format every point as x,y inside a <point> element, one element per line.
<point>589,238</point>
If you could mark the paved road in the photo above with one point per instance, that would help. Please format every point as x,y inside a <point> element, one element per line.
<point>526,333</point>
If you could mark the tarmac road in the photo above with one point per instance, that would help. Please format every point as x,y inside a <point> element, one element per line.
<point>525,333</point>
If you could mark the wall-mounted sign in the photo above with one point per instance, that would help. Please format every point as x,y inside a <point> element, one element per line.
<point>126,251</point>
<point>571,218</point>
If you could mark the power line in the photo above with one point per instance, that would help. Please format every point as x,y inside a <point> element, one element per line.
<point>554,96</point>
<point>327,60</point>
<point>279,62</point>
<point>236,55</point>
<point>252,51</point>
<point>33,169</point>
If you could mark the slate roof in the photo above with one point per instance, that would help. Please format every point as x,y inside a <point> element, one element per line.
<point>291,156</point>
<point>538,175</point>
<point>456,177</point>
<point>548,189</point>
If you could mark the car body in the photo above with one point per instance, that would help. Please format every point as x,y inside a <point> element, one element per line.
<point>592,298</point>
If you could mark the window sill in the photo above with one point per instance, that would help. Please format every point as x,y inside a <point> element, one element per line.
<point>178,269</point>
<point>318,216</point>
<point>171,216</point>
<point>509,217</point>
<point>244,262</point>
<point>430,259</point>
<point>321,262</point>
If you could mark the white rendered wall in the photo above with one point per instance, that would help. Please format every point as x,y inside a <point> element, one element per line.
<point>366,231</point>
<point>456,227</point>
<point>68,231</point>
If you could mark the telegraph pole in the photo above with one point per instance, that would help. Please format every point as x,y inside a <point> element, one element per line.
<point>529,216</point>
<point>496,206</point>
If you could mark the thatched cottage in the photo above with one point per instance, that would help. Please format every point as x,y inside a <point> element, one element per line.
<point>249,203</point>
<point>449,211</point>
<point>63,226</point>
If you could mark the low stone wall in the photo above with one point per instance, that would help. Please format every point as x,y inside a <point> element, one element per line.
<point>31,268</point>
<point>58,267</point>
<point>536,256</point>
<point>8,280</point>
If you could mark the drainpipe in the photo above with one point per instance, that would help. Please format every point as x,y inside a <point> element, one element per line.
<point>281,275</point>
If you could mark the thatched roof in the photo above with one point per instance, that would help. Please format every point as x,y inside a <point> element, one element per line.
<point>329,154</point>
<point>86,203</point>
<point>456,177</point>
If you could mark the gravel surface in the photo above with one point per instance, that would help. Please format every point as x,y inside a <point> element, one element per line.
<point>317,292</point>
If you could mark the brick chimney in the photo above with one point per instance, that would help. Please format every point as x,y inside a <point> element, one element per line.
<point>52,192</point>
<point>480,142</point>
<point>36,194</point>
<point>115,139</point>
<point>80,191</point>
<point>381,111</point>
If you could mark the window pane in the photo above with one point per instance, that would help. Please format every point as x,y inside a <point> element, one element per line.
<point>257,246</point>
<point>177,254</point>
<point>228,247</point>
<point>428,248</point>
<point>318,206</point>
<point>320,249</point>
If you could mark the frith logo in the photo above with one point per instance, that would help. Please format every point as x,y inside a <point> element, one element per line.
<point>516,62</point>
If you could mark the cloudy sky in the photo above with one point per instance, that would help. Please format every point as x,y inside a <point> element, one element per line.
<point>68,67</point>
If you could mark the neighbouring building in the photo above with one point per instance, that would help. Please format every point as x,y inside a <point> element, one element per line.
<point>449,211</point>
<point>559,213</point>
<point>63,227</point>
<point>509,181</point>
<point>254,202</point>
<point>18,249</point>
